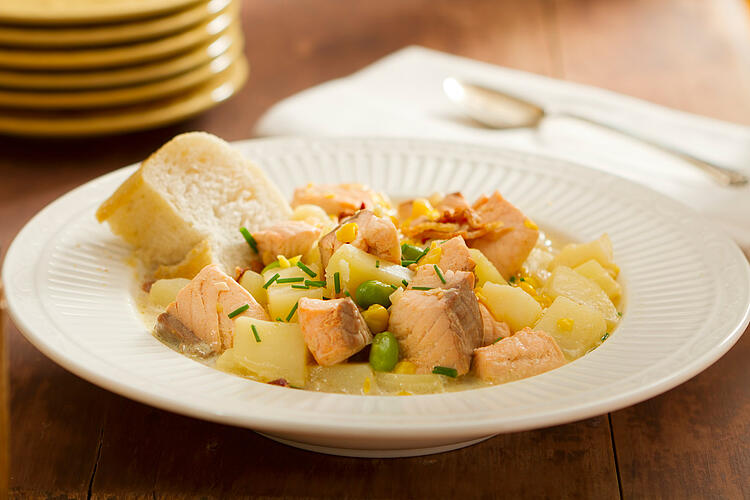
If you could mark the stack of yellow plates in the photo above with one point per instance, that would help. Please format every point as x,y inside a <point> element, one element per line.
<point>89,67</point>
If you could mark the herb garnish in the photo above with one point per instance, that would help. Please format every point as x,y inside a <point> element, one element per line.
<point>337,282</point>
<point>255,333</point>
<point>270,281</point>
<point>444,370</point>
<point>439,273</point>
<point>291,313</point>
<point>238,311</point>
<point>307,270</point>
<point>298,279</point>
<point>249,238</point>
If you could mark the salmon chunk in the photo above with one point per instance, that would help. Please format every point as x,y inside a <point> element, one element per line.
<point>493,329</point>
<point>333,329</point>
<point>198,318</point>
<point>375,235</point>
<point>525,354</point>
<point>506,249</point>
<point>440,326</point>
<point>288,238</point>
<point>426,276</point>
<point>454,256</point>
<point>335,199</point>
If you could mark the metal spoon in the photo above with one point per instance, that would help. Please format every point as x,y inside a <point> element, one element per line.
<point>499,110</point>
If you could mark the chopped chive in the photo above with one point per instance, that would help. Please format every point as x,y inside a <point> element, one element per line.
<point>523,279</point>
<point>444,370</point>
<point>407,263</point>
<point>239,311</point>
<point>497,340</point>
<point>301,287</point>
<point>298,279</point>
<point>394,287</point>
<point>619,313</point>
<point>273,278</point>
<point>421,288</point>
<point>605,336</point>
<point>291,313</point>
<point>424,252</point>
<point>307,270</point>
<point>326,298</point>
<point>279,320</point>
<point>512,279</point>
<point>439,273</point>
<point>255,333</point>
<point>336,282</point>
<point>377,263</point>
<point>316,284</point>
<point>346,292</point>
<point>249,238</point>
<point>405,283</point>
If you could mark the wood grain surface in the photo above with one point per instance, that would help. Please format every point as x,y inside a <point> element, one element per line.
<point>71,439</point>
<point>4,409</point>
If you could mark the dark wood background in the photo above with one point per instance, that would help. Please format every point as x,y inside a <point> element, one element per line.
<point>72,439</point>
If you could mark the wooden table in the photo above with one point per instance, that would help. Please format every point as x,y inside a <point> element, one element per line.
<point>72,439</point>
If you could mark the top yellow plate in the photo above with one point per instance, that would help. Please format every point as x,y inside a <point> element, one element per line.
<point>108,34</point>
<point>84,11</point>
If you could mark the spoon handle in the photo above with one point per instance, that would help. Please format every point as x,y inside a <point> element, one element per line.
<point>724,176</point>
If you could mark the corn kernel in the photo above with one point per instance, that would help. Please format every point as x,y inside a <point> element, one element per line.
<point>405,368</point>
<point>544,300</point>
<point>219,308</point>
<point>376,317</point>
<point>404,393</point>
<point>565,324</point>
<point>367,386</point>
<point>421,207</point>
<point>526,287</point>
<point>432,257</point>
<point>394,220</point>
<point>283,262</point>
<point>329,196</point>
<point>347,233</point>
<point>530,224</point>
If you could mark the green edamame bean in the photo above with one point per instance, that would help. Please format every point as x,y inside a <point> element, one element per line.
<point>384,352</point>
<point>373,292</point>
<point>410,252</point>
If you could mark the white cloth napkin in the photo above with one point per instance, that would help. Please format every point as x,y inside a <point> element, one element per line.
<point>401,95</point>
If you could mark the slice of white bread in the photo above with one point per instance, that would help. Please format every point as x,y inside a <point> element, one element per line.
<point>182,209</point>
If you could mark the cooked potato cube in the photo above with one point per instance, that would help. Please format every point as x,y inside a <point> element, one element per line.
<point>253,283</point>
<point>227,363</point>
<point>355,266</point>
<point>511,305</point>
<point>279,351</point>
<point>600,250</point>
<point>576,328</point>
<point>396,383</point>
<point>163,292</point>
<point>282,298</point>
<point>594,271</point>
<point>312,214</point>
<point>348,378</point>
<point>485,271</point>
<point>568,283</point>
<point>537,264</point>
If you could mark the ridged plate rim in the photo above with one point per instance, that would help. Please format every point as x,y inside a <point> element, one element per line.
<point>461,415</point>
